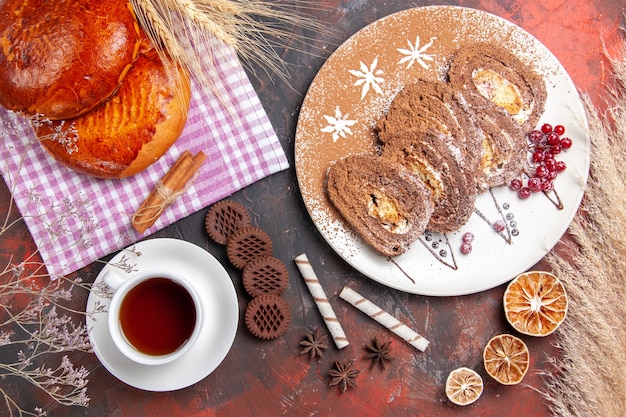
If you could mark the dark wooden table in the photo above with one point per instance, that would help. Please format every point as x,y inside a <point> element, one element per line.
<point>271,378</point>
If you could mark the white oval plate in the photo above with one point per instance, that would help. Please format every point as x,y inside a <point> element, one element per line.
<point>220,321</point>
<point>354,88</point>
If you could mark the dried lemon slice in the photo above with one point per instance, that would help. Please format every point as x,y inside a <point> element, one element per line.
<point>535,303</point>
<point>506,359</point>
<point>464,386</point>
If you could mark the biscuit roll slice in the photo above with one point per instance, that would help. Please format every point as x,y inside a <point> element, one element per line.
<point>502,79</point>
<point>503,148</point>
<point>432,105</point>
<point>383,202</point>
<point>437,160</point>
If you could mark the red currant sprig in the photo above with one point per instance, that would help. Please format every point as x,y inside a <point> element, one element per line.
<point>543,167</point>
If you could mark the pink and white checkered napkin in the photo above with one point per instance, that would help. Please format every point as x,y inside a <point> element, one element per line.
<point>75,219</point>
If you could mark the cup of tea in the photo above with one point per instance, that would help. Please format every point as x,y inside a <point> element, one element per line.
<point>154,316</point>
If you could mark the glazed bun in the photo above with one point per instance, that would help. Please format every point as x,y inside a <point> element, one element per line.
<point>131,130</point>
<point>61,58</point>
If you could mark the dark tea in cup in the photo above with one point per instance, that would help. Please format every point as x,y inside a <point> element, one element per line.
<point>154,316</point>
<point>157,316</point>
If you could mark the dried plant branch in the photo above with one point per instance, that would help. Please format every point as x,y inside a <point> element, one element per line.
<point>38,323</point>
<point>590,379</point>
<point>66,135</point>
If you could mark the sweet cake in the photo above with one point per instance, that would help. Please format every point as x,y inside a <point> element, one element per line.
<point>503,145</point>
<point>500,78</point>
<point>508,98</point>
<point>383,201</point>
<point>432,105</point>
<point>437,160</point>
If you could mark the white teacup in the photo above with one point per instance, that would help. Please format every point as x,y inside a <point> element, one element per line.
<point>154,316</point>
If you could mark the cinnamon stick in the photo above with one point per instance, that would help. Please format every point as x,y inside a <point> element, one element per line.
<point>173,184</point>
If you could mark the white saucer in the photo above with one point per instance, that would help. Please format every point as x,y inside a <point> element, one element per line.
<point>219,328</point>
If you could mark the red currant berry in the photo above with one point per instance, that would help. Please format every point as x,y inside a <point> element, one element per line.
<point>559,129</point>
<point>550,163</point>
<point>516,184</point>
<point>466,248</point>
<point>499,226</point>
<point>546,128</point>
<point>538,156</point>
<point>535,136</point>
<point>534,184</point>
<point>524,193</point>
<point>547,185</point>
<point>566,143</point>
<point>551,176</point>
<point>560,166</point>
<point>541,171</point>
<point>468,237</point>
<point>556,149</point>
<point>553,139</point>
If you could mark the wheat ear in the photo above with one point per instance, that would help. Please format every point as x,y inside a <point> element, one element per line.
<point>255,29</point>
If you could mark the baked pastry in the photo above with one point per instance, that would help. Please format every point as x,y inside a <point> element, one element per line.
<point>59,59</point>
<point>129,132</point>
<point>387,205</point>
<point>503,145</point>
<point>224,218</point>
<point>432,106</point>
<point>498,76</point>
<point>437,160</point>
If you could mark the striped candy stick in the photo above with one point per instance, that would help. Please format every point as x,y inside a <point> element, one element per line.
<point>323,305</point>
<point>384,318</point>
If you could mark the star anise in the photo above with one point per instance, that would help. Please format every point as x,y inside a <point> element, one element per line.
<point>314,344</point>
<point>378,353</point>
<point>343,375</point>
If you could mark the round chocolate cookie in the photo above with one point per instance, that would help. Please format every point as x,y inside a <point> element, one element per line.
<point>224,218</point>
<point>246,244</point>
<point>265,275</point>
<point>267,316</point>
